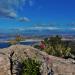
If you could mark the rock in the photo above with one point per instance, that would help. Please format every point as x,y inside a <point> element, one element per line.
<point>71,61</point>
<point>11,57</point>
<point>4,65</point>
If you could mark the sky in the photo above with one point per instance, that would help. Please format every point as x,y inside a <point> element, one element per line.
<point>37,15</point>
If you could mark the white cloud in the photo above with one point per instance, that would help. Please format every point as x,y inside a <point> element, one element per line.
<point>24,19</point>
<point>12,15</point>
<point>14,4</point>
<point>39,28</point>
<point>7,13</point>
<point>8,8</point>
<point>72,29</point>
<point>44,28</point>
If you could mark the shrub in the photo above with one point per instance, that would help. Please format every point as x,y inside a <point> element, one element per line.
<point>17,40</point>
<point>37,46</point>
<point>56,47</point>
<point>58,50</point>
<point>30,67</point>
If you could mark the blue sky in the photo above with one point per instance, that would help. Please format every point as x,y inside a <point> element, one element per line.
<point>57,14</point>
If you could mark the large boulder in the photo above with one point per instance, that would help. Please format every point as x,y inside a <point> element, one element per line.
<point>10,59</point>
<point>4,65</point>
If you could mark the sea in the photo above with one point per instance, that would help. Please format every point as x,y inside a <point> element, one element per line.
<point>42,33</point>
<point>5,45</point>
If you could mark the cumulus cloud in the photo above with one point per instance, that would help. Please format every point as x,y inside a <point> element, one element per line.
<point>7,13</point>
<point>12,15</point>
<point>24,19</point>
<point>8,8</point>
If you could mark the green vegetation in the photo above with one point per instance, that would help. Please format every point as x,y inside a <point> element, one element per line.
<point>17,39</point>
<point>72,45</point>
<point>56,47</point>
<point>30,67</point>
<point>37,46</point>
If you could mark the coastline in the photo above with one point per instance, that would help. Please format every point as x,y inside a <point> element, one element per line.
<point>35,40</point>
<point>26,40</point>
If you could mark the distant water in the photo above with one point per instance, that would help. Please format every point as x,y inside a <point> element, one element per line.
<point>5,45</point>
<point>39,32</point>
<point>31,33</point>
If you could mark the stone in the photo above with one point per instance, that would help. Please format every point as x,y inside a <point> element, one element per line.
<point>4,65</point>
<point>10,59</point>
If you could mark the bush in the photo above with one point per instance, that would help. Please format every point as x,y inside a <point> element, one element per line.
<point>30,67</point>
<point>56,47</point>
<point>37,46</point>
<point>17,40</point>
<point>58,50</point>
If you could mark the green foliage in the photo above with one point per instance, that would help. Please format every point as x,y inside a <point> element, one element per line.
<point>30,67</point>
<point>17,39</point>
<point>72,45</point>
<point>58,50</point>
<point>55,46</point>
<point>36,46</point>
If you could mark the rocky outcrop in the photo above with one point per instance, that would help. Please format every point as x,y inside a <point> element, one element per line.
<point>11,57</point>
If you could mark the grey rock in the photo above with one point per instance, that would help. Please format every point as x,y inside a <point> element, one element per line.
<point>11,57</point>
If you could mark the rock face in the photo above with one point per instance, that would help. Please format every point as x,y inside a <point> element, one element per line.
<point>11,57</point>
<point>4,65</point>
